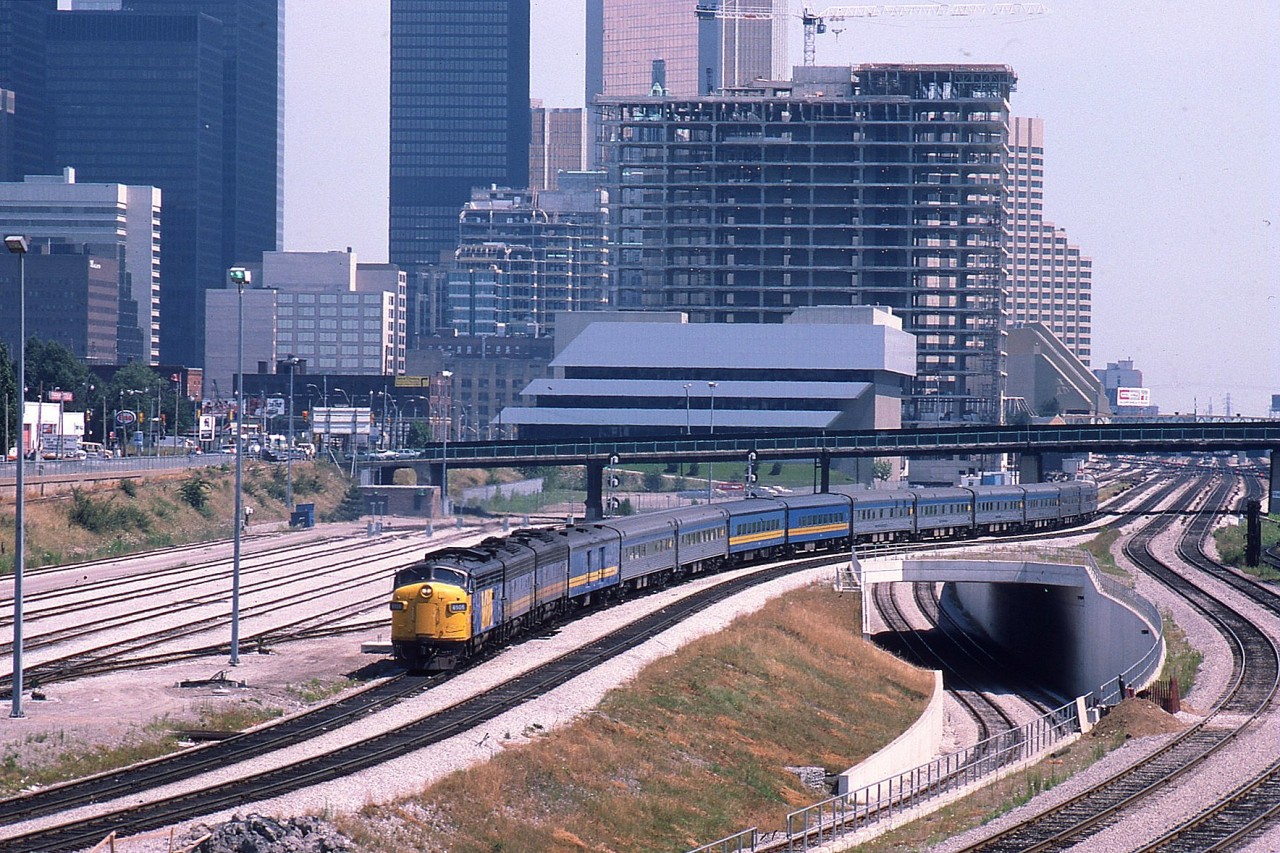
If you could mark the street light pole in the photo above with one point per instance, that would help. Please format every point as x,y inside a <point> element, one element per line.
<point>239,277</point>
<point>288,450</point>
<point>444,453</point>
<point>19,245</point>
<point>687,430</point>
<point>712,425</point>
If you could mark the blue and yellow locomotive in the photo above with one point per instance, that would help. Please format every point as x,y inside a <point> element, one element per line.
<point>456,601</point>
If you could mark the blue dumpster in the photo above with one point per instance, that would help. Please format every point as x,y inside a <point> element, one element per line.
<point>303,515</point>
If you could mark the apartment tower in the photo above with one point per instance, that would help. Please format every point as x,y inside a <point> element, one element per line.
<point>876,185</point>
<point>1050,281</point>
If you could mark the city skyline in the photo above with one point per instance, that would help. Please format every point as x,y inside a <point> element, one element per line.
<point>1160,166</point>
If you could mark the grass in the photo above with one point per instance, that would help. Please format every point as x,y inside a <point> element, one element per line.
<point>696,745</point>
<point>1099,547</point>
<point>161,510</point>
<point>49,758</point>
<point>1182,660</point>
<point>1230,541</point>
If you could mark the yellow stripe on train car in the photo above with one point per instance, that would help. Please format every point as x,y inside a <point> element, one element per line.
<point>755,537</point>
<point>592,577</point>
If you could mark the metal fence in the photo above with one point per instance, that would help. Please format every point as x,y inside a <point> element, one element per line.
<point>883,800</point>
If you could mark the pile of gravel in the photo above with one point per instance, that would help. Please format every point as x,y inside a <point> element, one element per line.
<point>258,834</point>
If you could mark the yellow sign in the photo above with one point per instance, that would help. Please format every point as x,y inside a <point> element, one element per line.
<point>413,381</point>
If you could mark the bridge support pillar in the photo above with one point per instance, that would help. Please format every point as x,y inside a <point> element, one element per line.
<point>824,471</point>
<point>1274,495</point>
<point>595,489</point>
<point>1030,468</point>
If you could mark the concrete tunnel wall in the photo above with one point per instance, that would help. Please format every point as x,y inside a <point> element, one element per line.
<point>1050,616</point>
<point>1073,638</point>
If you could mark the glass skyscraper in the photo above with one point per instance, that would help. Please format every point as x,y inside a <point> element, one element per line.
<point>183,95</point>
<point>459,116</point>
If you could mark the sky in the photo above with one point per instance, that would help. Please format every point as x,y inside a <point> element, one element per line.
<point>1162,158</point>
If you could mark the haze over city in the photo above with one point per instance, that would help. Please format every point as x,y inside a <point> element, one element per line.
<point>1159,161</point>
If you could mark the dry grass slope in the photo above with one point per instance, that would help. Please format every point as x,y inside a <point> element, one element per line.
<point>694,749</point>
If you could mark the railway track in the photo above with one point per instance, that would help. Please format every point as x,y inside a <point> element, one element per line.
<point>350,759</point>
<point>1256,669</point>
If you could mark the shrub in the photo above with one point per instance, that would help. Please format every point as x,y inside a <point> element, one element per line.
<point>195,491</point>
<point>101,516</point>
<point>129,487</point>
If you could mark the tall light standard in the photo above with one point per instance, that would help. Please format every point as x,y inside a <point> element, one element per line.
<point>239,277</point>
<point>292,361</point>
<point>711,422</point>
<point>687,430</point>
<point>444,451</point>
<point>19,245</point>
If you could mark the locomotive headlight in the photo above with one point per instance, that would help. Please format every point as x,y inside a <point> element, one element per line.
<point>426,591</point>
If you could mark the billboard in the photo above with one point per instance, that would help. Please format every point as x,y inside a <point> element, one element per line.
<point>1133,396</point>
<point>341,420</point>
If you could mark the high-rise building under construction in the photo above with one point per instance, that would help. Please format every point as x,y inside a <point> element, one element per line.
<point>873,185</point>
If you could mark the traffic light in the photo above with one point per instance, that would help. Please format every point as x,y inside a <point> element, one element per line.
<point>306,415</point>
<point>141,417</point>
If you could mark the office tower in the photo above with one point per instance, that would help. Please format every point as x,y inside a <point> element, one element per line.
<point>877,185</point>
<point>625,37</point>
<point>72,298</point>
<point>182,95</point>
<point>252,121</point>
<point>158,123</point>
<point>22,26</point>
<point>558,144</point>
<point>459,117</point>
<point>114,221</point>
<point>1050,281</point>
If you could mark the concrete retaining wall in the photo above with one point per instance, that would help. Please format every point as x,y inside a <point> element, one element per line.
<point>914,747</point>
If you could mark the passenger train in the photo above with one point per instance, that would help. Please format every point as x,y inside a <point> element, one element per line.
<point>455,601</point>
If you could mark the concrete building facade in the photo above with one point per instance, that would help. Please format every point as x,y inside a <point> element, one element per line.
<point>73,298</point>
<point>118,222</point>
<point>338,315</point>
<point>1050,281</point>
<point>824,368</point>
<point>873,185</point>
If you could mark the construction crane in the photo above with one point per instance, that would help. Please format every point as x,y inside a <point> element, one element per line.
<point>815,22</point>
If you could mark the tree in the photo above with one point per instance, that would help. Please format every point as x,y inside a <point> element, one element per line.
<point>881,469</point>
<point>9,395</point>
<point>50,366</point>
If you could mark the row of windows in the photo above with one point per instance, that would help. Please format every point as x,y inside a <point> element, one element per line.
<point>699,537</point>
<point>943,509</point>
<point>885,512</point>
<point>658,546</point>
<point>827,518</point>
<point>762,526</point>
<point>996,506</point>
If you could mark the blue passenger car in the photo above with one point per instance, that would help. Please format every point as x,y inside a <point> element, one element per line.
<point>756,526</point>
<point>1044,504</point>
<point>999,508</point>
<point>817,521</point>
<point>593,560</point>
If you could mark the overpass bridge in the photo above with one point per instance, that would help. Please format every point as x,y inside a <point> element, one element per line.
<point>1030,442</point>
